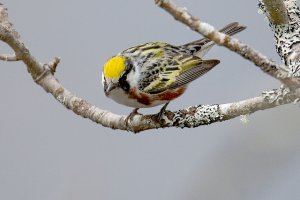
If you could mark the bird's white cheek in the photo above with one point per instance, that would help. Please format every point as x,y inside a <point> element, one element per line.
<point>133,78</point>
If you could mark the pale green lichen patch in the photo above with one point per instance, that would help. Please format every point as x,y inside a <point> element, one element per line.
<point>277,96</point>
<point>61,99</point>
<point>244,119</point>
<point>59,94</point>
<point>195,116</point>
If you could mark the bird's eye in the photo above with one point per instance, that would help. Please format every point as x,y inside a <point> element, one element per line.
<point>123,83</point>
<point>123,78</point>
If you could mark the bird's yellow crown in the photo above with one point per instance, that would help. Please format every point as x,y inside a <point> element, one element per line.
<point>114,67</point>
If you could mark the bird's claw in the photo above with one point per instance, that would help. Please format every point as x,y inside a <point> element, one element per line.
<point>131,115</point>
<point>161,113</point>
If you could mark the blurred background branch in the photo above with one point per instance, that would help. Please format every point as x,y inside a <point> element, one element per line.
<point>276,11</point>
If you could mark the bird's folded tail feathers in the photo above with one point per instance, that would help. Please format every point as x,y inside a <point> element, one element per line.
<point>200,47</point>
<point>232,28</point>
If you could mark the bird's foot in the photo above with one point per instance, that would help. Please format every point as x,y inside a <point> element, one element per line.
<point>161,113</point>
<point>131,115</point>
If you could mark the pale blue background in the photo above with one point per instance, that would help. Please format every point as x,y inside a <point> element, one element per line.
<point>49,153</point>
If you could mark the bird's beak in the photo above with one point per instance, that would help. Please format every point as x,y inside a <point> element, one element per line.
<point>110,87</point>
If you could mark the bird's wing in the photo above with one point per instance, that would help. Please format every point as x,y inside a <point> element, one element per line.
<point>174,72</point>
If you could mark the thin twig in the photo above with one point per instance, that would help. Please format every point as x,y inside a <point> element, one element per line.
<point>53,64</point>
<point>6,57</point>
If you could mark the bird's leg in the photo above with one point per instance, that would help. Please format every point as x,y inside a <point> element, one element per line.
<point>131,115</point>
<point>161,112</point>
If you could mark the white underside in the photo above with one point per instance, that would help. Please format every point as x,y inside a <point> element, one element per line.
<point>119,96</point>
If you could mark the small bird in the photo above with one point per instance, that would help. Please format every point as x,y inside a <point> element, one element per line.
<point>156,73</point>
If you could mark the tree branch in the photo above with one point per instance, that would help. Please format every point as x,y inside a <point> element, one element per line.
<point>193,116</point>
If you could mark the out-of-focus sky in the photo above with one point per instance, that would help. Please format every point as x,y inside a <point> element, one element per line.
<point>49,153</point>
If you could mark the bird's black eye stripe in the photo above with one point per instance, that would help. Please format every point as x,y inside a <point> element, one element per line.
<point>123,79</point>
<point>123,82</point>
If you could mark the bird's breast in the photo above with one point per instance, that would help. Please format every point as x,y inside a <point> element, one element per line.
<point>138,99</point>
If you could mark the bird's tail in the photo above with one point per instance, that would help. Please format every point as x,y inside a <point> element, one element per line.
<point>232,28</point>
<point>202,46</point>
